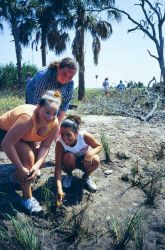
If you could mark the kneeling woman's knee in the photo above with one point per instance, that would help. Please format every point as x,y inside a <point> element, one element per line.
<point>29,160</point>
<point>69,159</point>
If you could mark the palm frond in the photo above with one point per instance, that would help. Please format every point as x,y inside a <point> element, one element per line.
<point>25,31</point>
<point>114,15</point>
<point>1,27</point>
<point>57,41</point>
<point>104,29</point>
<point>96,46</point>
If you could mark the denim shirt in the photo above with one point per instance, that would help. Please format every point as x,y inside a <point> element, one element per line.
<point>46,79</point>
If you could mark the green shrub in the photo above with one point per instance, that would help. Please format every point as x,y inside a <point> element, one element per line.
<point>8,74</point>
<point>31,68</point>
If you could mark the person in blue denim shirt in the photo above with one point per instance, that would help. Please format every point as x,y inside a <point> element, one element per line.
<point>106,86</point>
<point>57,76</point>
<point>120,87</point>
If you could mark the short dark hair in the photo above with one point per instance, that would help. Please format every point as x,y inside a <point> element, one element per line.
<point>68,62</point>
<point>65,62</point>
<point>72,122</point>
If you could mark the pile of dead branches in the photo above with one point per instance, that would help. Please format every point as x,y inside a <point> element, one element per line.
<point>141,103</point>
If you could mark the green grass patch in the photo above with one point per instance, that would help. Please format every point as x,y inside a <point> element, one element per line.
<point>10,99</point>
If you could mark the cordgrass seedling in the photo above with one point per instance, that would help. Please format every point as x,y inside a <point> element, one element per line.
<point>106,147</point>
<point>131,230</point>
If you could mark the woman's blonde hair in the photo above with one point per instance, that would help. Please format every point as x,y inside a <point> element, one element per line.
<point>49,97</point>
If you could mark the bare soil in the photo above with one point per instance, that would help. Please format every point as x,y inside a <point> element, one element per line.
<point>132,143</point>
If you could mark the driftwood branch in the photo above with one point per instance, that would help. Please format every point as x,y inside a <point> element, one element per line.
<point>142,118</point>
<point>153,79</point>
<point>153,55</point>
<point>151,113</point>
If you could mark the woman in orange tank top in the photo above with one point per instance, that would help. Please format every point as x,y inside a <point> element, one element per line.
<point>20,130</point>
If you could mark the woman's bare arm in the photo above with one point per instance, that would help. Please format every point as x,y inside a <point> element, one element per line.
<point>90,140</point>
<point>22,125</point>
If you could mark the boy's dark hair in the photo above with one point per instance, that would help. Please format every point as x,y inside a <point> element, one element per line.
<point>72,122</point>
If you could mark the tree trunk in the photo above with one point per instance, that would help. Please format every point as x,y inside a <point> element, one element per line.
<point>162,66</point>
<point>81,89</point>
<point>43,47</point>
<point>18,50</point>
<point>80,30</point>
<point>160,50</point>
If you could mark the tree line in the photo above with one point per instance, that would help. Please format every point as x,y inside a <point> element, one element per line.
<point>47,23</point>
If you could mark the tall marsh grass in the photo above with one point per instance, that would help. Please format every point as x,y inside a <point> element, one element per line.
<point>132,230</point>
<point>21,233</point>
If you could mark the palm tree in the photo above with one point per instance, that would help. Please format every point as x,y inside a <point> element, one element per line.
<point>48,27</point>
<point>13,12</point>
<point>86,18</point>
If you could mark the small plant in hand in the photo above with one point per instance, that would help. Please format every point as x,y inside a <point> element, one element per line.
<point>59,200</point>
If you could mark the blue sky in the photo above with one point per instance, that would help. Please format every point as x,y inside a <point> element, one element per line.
<point>123,57</point>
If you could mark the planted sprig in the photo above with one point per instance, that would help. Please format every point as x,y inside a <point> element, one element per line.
<point>47,196</point>
<point>106,147</point>
<point>132,230</point>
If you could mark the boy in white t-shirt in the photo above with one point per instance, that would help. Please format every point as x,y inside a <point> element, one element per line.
<point>75,149</point>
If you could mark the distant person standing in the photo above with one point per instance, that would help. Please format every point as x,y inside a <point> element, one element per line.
<point>57,76</point>
<point>120,87</point>
<point>106,86</point>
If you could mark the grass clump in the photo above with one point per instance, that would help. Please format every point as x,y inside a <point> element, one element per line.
<point>149,180</point>
<point>106,147</point>
<point>131,232</point>
<point>48,197</point>
<point>9,99</point>
<point>21,233</point>
<point>75,227</point>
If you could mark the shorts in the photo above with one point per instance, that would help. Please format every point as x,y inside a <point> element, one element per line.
<point>2,134</point>
<point>80,162</point>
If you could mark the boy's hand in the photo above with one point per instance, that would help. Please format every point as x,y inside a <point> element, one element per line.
<point>88,159</point>
<point>32,173</point>
<point>60,197</point>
